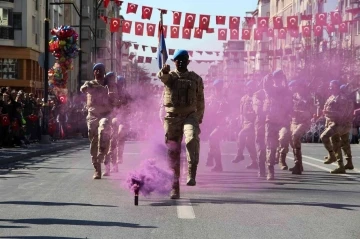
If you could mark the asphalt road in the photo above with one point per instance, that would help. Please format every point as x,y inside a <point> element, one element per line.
<point>54,196</point>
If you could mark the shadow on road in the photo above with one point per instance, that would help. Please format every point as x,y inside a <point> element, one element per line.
<point>72,222</point>
<point>12,227</point>
<point>37,237</point>
<point>38,203</point>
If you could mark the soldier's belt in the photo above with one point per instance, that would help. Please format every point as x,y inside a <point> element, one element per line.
<point>179,115</point>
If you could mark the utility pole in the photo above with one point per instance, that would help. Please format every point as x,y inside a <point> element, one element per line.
<point>45,138</point>
<point>80,50</point>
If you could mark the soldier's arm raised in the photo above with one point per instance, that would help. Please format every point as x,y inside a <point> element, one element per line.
<point>200,107</point>
<point>164,75</point>
<point>84,88</point>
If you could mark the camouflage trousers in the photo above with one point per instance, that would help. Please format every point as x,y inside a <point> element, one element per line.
<point>283,142</point>
<point>99,130</point>
<point>117,142</point>
<point>336,138</point>
<point>272,141</point>
<point>175,127</point>
<point>246,138</point>
<point>297,132</point>
<point>214,145</point>
<point>260,142</point>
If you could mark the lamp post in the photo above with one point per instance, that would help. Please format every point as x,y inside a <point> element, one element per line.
<point>45,138</point>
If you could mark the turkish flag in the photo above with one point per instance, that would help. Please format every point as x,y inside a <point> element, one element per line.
<point>114,24</point>
<point>176,18</point>
<point>258,34</point>
<point>210,30</point>
<point>234,22</point>
<point>306,31</point>
<point>106,3</point>
<point>292,22</point>
<point>118,2</point>
<point>209,52</point>
<point>104,18</point>
<point>174,31</point>
<point>220,20</point>
<point>270,32</point>
<point>148,59</point>
<point>250,21</point>
<point>164,31</point>
<point>204,21</point>
<point>198,33</point>
<point>200,52</point>
<point>318,31</point>
<point>234,34</point>
<point>146,12</point>
<point>306,17</point>
<point>171,51</point>
<point>321,19</point>
<point>282,33</point>
<point>143,47</point>
<point>136,46</point>
<point>343,27</point>
<point>190,53</point>
<point>140,59</point>
<point>186,33</point>
<point>245,34</point>
<point>126,26</point>
<point>294,32</point>
<point>278,22</point>
<point>263,23</point>
<point>131,8</point>
<point>153,49</point>
<point>189,20</point>
<point>150,28</point>
<point>222,34</point>
<point>139,28</point>
<point>335,18</point>
<point>330,28</point>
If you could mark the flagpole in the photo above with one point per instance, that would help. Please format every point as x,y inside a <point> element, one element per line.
<point>162,31</point>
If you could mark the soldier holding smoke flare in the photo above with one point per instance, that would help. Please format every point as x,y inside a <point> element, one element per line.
<point>184,105</point>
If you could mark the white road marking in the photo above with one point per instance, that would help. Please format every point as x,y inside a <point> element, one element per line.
<point>185,209</point>
<point>319,160</point>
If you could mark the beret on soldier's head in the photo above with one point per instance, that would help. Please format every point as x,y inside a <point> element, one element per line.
<point>120,78</point>
<point>99,66</point>
<point>278,73</point>
<point>335,82</point>
<point>180,53</point>
<point>250,83</point>
<point>110,74</point>
<point>218,83</point>
<point>293,83</point>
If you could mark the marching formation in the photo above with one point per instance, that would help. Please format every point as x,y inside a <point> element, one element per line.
<point>274,115</point>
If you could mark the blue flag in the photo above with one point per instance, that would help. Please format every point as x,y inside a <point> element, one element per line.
<point>162,55</point>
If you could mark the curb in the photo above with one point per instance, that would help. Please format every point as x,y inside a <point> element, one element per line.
<point>43,151</point>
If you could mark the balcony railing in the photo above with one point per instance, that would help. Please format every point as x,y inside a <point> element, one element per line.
<point>7,33</point>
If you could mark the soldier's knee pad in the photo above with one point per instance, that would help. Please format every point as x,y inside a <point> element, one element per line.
<point>104,122</point>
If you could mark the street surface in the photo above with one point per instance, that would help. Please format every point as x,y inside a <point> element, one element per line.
<point>54,196</point>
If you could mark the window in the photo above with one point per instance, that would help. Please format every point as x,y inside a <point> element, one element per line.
<point>17,20</point>
<point>4,17</point>
<point>33,24</point>
<point>36,5</point>
<point>357,27</point>
<point>101,12</point>
<point>100,34</point>
<point>101,53</point>
<point>9,69</point>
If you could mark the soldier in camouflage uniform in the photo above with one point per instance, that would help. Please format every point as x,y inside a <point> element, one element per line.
<point>184,105</point>
<point>300,121</point>
<point>259,125</point>
<point>219,107</point>
<point>99,109</point>
<point>285,107</point>
<point>334,111</point>
<point>246,137</point>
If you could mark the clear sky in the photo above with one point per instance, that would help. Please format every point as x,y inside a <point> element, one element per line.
<point>209,42</point>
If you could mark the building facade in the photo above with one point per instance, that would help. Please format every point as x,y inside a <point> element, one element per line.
<point>233,63</point>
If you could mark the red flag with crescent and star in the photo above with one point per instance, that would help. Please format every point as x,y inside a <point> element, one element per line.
<point>150,28</point>
<point>174,31</point>
<point>186,33</point>
<point>114,24</point>
<point>131,8</point>
<point>220,20</point>
<point>126,26</point>
<point>245,34</point>
<point>278,22</point>
<point>222,34</point>
<point>198,33</point>
<point>176,18</point>
<point>234,22</point>
<point>146,12</point>
<point>189,20</point>
<point>139,28</point>
<point>204,21</point>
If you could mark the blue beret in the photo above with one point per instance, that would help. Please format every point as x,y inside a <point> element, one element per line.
<point>278,73</point>
<point>217,83</point>
<point>180,53</point>
<point>98,66</point>
<point>120,78</point>
<point>293,83</point>
<point>110,74</point>
<point>250,83</point>
<point>343,87</point>
<point>336,82</point>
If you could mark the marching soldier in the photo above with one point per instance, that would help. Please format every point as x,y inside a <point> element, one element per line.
<point>184,106</point>
<point>99,109</point>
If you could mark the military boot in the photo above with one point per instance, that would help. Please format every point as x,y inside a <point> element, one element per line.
<point>210,160</point>
<point>191,175</point>
<point>114,168</point>
<point>271,173</point>
<point>218,164</point>
<point>349,165</point>
<point>97,174</point>
<point>282,163</point>
<point>331,158</point>
<point>340,169</point>
<point>175,190</point>
<point>261,173</point>
<point>238,158</point>
<point>107,170</point>
<point>296,155</point>
<point>253,165</point>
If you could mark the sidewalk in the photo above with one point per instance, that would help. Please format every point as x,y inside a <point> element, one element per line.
<point>10,155</point>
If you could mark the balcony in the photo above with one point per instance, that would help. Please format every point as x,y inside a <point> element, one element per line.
<point>7,33</point>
